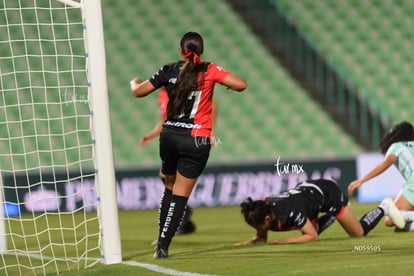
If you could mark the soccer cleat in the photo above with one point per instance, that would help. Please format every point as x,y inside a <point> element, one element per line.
<point>393,212</point>
<point>160,253</point>
<point>408,215</point>
<point>187,228</point>
<point>407,227</point>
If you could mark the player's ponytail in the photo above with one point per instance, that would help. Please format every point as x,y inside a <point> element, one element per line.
<point>254,212</point>
<point>192,47</point>
<point>401,132</point>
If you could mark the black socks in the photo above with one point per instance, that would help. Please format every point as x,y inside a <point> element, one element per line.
<point>371,219</point>
<point>163,209</point>
<point>324,222</point>
<point>173,218</point>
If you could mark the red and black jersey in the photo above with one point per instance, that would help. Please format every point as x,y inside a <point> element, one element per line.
<point>306,200</point>
<point>197,116</point>
<point>163,102</point>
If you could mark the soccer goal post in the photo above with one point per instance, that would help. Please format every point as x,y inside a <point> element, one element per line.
<point>58,192</point>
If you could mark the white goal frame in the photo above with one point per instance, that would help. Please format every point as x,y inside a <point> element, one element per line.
<point>105,180</point>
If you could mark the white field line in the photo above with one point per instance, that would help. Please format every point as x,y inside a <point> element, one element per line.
<point>163,270</point>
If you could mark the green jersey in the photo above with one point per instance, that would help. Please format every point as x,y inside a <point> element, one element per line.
<point>405,157</point>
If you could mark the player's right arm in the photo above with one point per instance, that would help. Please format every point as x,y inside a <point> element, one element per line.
<point>146,139</point>
<point>261,237</point>
<point>309,234</point>
<point>377,170</point>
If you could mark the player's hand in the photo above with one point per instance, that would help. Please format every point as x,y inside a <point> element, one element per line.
<point>353,186</point>
<point>145,140</point>
<point>255,240</point>
<point>135,83</point>
<point>243,243</point>
<point>279,242</point>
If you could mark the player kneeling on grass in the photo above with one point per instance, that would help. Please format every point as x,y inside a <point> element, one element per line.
<point>299,208</point>
<point>398,149</point>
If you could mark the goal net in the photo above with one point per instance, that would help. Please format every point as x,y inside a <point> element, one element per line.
<point>55,142</point>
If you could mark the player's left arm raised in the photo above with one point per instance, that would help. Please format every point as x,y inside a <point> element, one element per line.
<point>234,82</point>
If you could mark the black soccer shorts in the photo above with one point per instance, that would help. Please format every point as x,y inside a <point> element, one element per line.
<point>183,153</point>
<point>335,199</point>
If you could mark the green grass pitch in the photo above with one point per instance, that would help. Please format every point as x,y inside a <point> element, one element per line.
<point>209,250</point>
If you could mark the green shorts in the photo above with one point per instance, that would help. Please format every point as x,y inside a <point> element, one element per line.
<point>408,190</point>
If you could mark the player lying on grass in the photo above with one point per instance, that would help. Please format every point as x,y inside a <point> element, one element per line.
<point>299,208</point>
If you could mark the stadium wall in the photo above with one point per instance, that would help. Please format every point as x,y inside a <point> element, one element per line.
<point>221,184</point>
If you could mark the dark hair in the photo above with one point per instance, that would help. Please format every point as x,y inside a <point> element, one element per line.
<point>401,132</point>
<point>192,46</point>
<point>254,211</point>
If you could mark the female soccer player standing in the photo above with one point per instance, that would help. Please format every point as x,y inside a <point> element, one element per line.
<point>187,225</point>
<point>398,148</point>
<point>185,137</point>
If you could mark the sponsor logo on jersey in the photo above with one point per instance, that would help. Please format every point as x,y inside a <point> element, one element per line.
<point>182,124</point>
